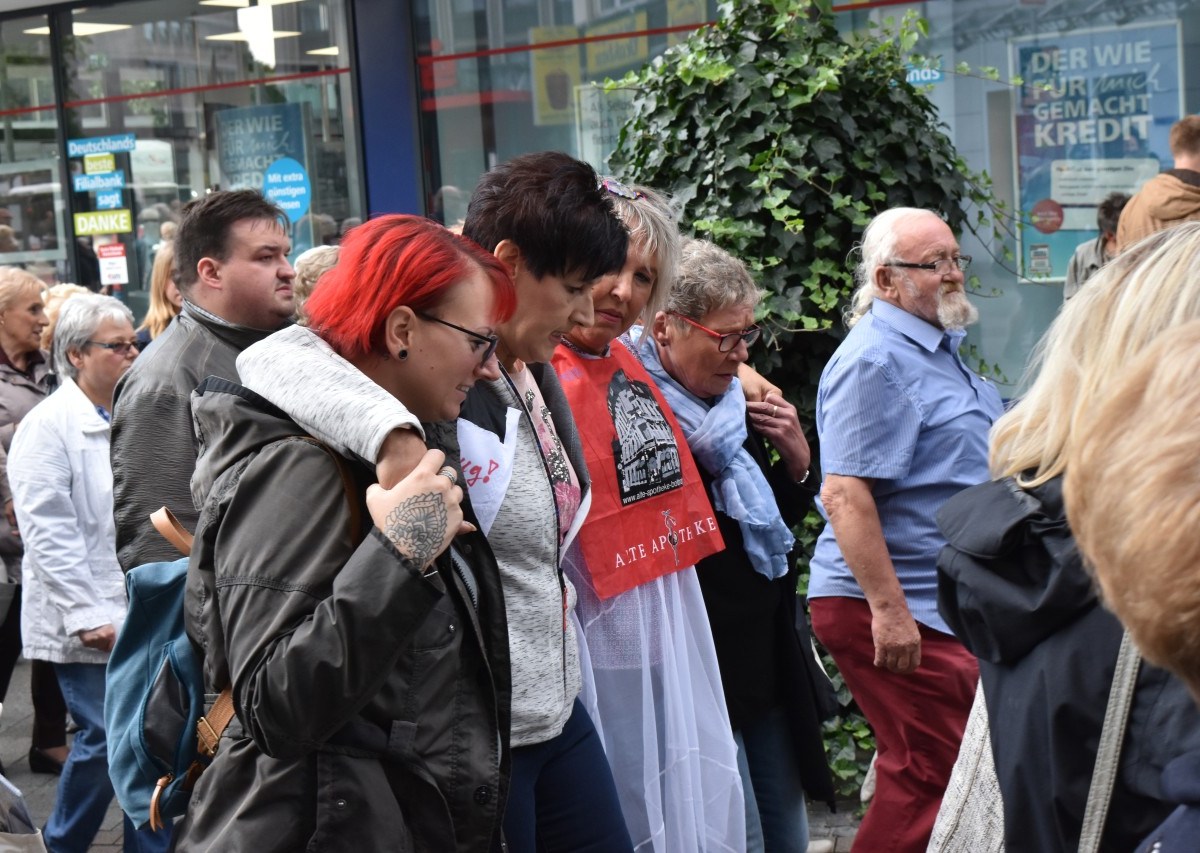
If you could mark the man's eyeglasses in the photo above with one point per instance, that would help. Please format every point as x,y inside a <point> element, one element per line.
<point>725,341</point>
<point>119,347</point>
<point>490,342</point>
<point>941,266</point>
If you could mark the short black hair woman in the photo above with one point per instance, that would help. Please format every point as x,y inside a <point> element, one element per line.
<point>369,664</point>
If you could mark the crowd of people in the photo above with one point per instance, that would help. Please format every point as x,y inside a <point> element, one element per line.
<point>494,548</point>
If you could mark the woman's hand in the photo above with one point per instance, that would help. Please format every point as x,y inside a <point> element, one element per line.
<point>423,512</point>
<point>755,386</point>
<point>776,419</point>
<point>10,515</point>
<point>101,638</point>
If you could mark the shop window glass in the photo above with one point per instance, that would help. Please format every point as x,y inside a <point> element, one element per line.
<point>503,78</point>
<point>31,193</point>
<point>166,104</point>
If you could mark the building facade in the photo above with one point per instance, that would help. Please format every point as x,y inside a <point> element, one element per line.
<point>113,116</point>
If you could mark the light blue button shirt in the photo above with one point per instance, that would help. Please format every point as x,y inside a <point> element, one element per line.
<point>897,405</point>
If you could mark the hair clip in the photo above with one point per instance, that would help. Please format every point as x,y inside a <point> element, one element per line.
<point>619,189</point>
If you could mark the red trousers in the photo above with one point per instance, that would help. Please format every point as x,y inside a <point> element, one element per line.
<point>918,720</point>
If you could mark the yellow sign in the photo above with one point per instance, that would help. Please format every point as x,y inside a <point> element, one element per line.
<point>555,72</point>
<point>617,53</point>
<point>680,12</point>
<point>98,164</point>
<point>103,222</point>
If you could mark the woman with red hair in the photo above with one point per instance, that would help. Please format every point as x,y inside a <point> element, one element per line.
<point>361,629</point>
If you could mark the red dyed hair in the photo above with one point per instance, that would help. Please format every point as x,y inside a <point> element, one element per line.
<point>391,261</point>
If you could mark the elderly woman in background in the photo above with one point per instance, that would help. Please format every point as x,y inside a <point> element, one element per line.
<point>24,382</point>
<point>165,299</point>
<point>1012,586</point>
<point>56,295</point>
<point>694,351</point>
<point>74,591</point>
<point>310,266</point>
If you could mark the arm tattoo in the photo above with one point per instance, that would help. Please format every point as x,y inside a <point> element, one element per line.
<point>417,528</point>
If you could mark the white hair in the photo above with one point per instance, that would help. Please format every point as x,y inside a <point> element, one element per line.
<point>77,322</point>
<point>878,247</point>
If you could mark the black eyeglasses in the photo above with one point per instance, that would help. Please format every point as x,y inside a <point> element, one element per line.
<point>119,347</point>
<point>727,341</point>
<point>941,266</point>
<point>490,341</point>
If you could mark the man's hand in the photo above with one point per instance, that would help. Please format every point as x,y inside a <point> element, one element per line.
<point>101,638</point>
<point>423,512</point>
<point>398,456</point>
<point>897,640</point>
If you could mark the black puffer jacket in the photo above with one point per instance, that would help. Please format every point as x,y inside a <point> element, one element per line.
<point>1013,589</point>
<point>372,702</point>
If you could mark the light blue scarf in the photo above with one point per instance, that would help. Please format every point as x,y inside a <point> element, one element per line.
<point>715,435</point>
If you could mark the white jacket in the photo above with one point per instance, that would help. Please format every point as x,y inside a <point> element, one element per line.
<point>62,487</point>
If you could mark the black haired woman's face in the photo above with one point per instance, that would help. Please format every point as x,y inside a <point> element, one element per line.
<point>548,309</point>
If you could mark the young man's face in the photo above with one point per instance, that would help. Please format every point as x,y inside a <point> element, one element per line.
<point>256,278</point>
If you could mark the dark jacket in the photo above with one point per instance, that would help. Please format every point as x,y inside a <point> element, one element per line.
<point>1180,833</point>
<point>753,623</point>
<point>1012,587</point>
<point>372,702</point>
<point>153,445</point>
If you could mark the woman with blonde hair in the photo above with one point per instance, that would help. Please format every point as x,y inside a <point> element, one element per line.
<point>1013,588</point>
<point>24,382</point>
<point>165,299</point>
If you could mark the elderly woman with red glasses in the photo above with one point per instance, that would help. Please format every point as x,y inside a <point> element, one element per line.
<point>693,352</point>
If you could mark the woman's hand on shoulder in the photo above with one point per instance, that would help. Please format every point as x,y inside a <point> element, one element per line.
<point>422,513</point>
<point>778,420</point>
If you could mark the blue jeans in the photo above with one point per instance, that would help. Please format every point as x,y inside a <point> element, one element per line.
<point>84,789</point>
<point>776,816</point>
<point>562,798</point>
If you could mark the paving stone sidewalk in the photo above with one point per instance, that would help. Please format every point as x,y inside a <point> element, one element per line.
<point>16,722</point>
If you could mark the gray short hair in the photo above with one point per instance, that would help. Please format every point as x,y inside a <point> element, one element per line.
<point>878,247</point>
<point>710,279</point>
<point>77,322</point>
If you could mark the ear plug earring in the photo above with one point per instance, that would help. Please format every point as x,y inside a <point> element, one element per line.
<point>402,354</point>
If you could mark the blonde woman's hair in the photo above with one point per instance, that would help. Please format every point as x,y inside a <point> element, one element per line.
<point>1151,287</point>
<point>1132,491</point>
<point>16,284</point>
<point>310,266</point>
<point>652,223</point>
<point>54,298</point>
<point>161,311</point>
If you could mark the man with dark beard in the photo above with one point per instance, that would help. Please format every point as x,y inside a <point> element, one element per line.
<point>903,426</point>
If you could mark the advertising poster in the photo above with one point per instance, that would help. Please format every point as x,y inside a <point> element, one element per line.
<point>251,139</point>
<point>608,55</point>
<point>556,74</point>
<point>1093,115</point>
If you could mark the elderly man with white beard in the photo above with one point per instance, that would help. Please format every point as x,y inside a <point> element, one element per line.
<point>903,425</point>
